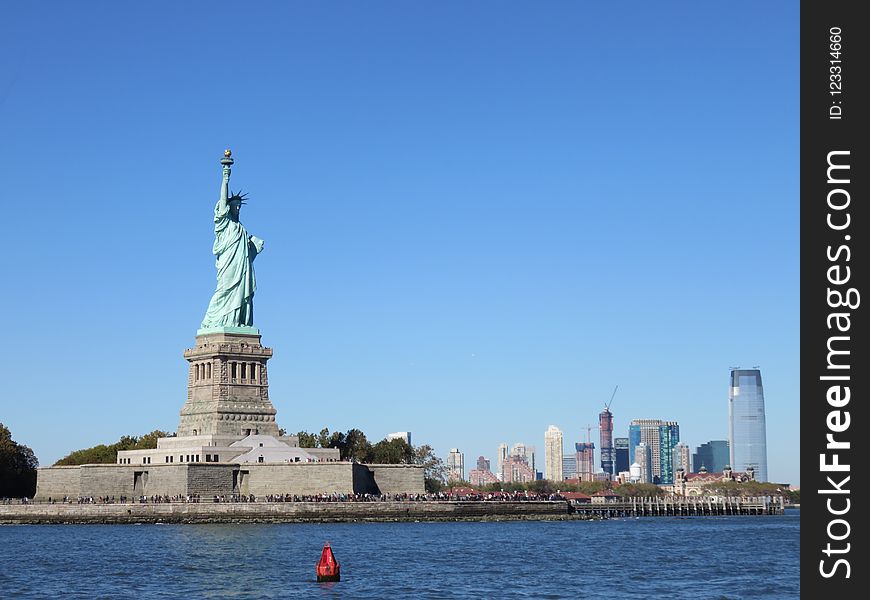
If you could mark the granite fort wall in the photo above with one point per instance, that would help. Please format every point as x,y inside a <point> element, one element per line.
<point>107,480</point>
<point>210,480</point>
<point>281,512</point>
<point>296,478</point>
<point>398,479</point>
<point>57,482</point>
<point>222,479</point>
<point>117,481</point>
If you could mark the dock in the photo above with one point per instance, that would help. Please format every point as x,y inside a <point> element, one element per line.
<point>684,507</point>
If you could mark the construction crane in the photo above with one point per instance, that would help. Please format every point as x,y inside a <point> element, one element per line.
<point>607,406</point>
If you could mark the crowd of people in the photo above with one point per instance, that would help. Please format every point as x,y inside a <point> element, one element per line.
<point>449,496</point>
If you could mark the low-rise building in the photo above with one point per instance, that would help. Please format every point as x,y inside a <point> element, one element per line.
<point>695,484</point>
<point>605,497</point>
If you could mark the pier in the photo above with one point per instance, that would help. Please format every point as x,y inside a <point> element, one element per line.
<point>684,507</point>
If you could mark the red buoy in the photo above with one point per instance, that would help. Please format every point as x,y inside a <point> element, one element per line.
<point>328,568</point>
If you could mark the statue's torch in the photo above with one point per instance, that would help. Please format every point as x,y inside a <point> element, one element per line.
<point>227,161</point>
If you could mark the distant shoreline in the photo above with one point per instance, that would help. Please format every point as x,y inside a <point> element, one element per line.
<point>353,512</point>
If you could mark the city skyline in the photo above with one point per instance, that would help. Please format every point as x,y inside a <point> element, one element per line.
<point>663,451</point>
<point>469,237</point>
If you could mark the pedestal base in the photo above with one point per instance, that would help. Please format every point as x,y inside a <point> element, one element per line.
<point>228,385</point>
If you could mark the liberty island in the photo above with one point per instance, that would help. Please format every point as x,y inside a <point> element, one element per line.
<point>228,443</point>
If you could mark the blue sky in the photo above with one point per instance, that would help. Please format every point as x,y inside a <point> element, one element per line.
<point>479,217</point>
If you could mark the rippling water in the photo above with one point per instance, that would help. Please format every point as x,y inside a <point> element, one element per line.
<point>719,557</point>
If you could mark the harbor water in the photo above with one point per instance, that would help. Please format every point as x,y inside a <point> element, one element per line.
<point>661,557</point>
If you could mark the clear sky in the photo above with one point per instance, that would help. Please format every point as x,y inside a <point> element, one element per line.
<point>479,217</point>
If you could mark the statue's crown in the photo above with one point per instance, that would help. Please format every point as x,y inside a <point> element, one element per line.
<point>238,197</point>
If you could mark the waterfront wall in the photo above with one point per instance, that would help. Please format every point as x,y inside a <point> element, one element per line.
<point>281,512</point>
<point>296,478</point>
<point>221,479</point>
<point>396,479</point>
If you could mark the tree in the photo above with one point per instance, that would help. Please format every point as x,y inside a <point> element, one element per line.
<point>149,440</point>
<point>638,490</point>
<point>393,452</point>
<point>356,447</point>
<point>307,440</point>
<point>434,470</point>
<point>543,486</point>
<point>744,488</point>
<point>18,466</point>
<point>323,438</point>
<point>337,440</point>
<point>103,454</point>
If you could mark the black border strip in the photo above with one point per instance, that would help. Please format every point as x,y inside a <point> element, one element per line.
<point>835,225</point>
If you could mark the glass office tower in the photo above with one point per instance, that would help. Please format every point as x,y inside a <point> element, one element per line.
<point>669,436</point>
<point>620,450</point>
<point>747,430</point>
<point>713,456</point>
<point>661,437</point>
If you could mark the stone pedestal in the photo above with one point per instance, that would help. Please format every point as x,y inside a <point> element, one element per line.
<point>228,385</point>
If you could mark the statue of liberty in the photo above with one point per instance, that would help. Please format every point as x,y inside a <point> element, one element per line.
<point>232,304</point>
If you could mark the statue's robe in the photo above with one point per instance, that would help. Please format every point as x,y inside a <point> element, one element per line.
<point>233,301</point>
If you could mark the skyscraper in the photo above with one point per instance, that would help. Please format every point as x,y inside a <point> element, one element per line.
<point>620,451</point>
<point>643,458</point>
<point>713,456</point>
<point>747,431</point>
<point>517,470</point>
<point>661,437</point>
<point>501,457</point>
<point>669,436</point>
<point>482,463</point>
<point>481,475</point>
<point>569,467</point>
<point>682,458</point>
<point>585,460</point>
<point>553,453</point>
<point>519,449</point>
<point>455,465</point>
<point>605,426</point>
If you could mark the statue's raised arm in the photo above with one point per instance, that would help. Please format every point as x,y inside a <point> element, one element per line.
<point>232,305</point>
<point>222,205</point>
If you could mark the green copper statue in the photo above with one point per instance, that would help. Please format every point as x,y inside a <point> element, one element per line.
<point>232,305</point>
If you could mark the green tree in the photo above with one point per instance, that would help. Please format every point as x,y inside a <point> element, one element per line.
<point>323,438</point>
<point>638,490</point>
<point>356,447</point>
<point>746,488</point>
<point>103,454</point>
<point>434,470</point>
<point>149,440</point>
<point>393,452</point>
<point>18,466</point>
<point>337,440</point>
<point>307,440</point>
